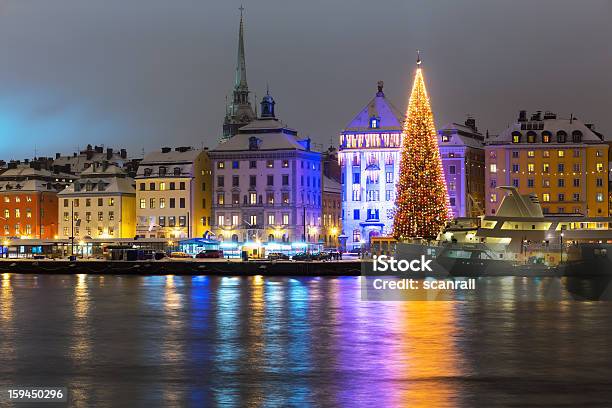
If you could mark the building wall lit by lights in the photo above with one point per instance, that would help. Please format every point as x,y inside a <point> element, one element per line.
<point>100,204</point>
<point>563,162</point>
<point>266,184</point>
<point>462,152</point>
<point>369,154</point>
<point>28,200</point>
<point>173,193</point>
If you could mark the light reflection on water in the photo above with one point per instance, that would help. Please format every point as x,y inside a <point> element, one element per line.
<point>256,341</point>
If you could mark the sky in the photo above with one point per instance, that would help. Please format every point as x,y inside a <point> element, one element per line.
<point>142,74</point>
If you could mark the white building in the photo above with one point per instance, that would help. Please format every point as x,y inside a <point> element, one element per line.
<point>369,155</point>
<point>267,184</point>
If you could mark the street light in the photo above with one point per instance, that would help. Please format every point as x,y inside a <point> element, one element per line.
<point>561,238</point>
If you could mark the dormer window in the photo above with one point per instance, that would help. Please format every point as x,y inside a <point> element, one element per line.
<point>531,137</point>
<point>546,137</point>
<point>516,137</point>
<point>374,123</point>
<point>445,138</point>
<point>577,136</point>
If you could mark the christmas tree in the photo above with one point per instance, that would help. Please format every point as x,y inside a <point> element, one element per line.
<point>422,206</point>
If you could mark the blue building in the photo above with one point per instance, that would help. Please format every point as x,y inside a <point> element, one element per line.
<point>369,154</point>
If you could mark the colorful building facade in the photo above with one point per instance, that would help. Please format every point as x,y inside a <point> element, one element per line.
<point>267,184</point>
<point>563,162</point>
<point>173,194</point>
<point>463,161</point>
<point>100,204</point>
<point>369,153</point>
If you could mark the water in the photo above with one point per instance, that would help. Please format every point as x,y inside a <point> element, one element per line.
<point>278,342</point>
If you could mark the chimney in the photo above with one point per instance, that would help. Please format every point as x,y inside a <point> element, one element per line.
<point>522,116</point>
<point>537,116</point>
<point>109,153</point>
<point>99,149</point>
<point>166,149</point>
<point>471,123</point>
<point>123,153</point>
<point>57,155</point>
<point>549,115</point>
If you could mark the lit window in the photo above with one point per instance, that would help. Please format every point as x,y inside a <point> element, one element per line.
<point>530,153</point>
<point>162,186</point>
<point>561,153</point>
<point>493,197</point>
<point>220,165</point>
<point>546,197</point>
<point>374,123</point>
<point>253,220</point>
<point>162,203</point>
<point>143,203</point>
<point>253,198</point>
<point>599,166</point>
<point>599,197</point>
<point>493,168</point>
<point>545,167</point>
<point>530,167</point>
<point>220,198</point>
<point>221,219</point>
<point>271,219</point>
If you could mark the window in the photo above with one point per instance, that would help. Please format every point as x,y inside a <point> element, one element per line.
<point>546,153</point>
<point>253,220</point>
<point>546,137</point>
<point>546,183</point>
<point>220,181</point>
<point>235,220</point>
<point>220,199</point>
<point>576,197</point>
<point>530,167</point>
<point>17,213</point>
<point>515,182</point>
<point>252,181</point>
<point>270,180</point>
<point>28,213</point>
<point>285,179</point>
<point>100,216</point>
<point>560,167</point>
<point>389,177</point>
<point>65,201</point>
<point>221,219</point>
<point>452,170</point>
<point>599,182</point>
<point>516,137</point>
<point>545,167</point>
<point>356,236</point>
<point>452,201</point>
<point>561,153</point>
<point>285,198</point>
<point>561,182</point>
<point>252,198</point>
<point>530,153</point>
<point>143,203</point>
<point>600,167</point>
<point>599,197</point>
<point>172,185</point>
<point>147,172</point>
<point>111,202</point>
<point>388,195</point>
<point>493,168</point>
<point>515,168</point>
<point>530,183</point>
<point>577,167</point>
<point>142,186</point>
<point>162,203</point>
<point>493,197</point>
<point>452,186</point>
<point>182,221</point>
<point>162,186</point>
<point>151,203</point>
<point>88,216</point>
<point>253,164</point>
<point>356,178</point>
<point>270,198</point>
<point>270,164</point>
<point>576,182</point>
<point>235,164</point>
<point>561,197</point>
<point>111,215</point>
<point>271,219</point>
<point>152,186</point>
<point>515,154</point>
<point>235,181</point>
<point>531,137</point>
<point>182,202</point>
<point>162,171</point>
<point>356,214</point>
<point>162,221</point>
<point>561,136</point>
<point>172,221</point>
<point>220,165</point>
<point>173,202</point>
<point>75,202</point>
<point>235,198</point>
<point>182,185</point>
<point>577,136</point>
<point>445,138</point>
<point>285,163</point>
<point>374,123</point>
<point>285,219</point>
<point>546,197</point>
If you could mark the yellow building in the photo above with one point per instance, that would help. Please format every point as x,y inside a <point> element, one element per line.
<point>100,204</point>
<point>563,162</point>
<point>174,193</point>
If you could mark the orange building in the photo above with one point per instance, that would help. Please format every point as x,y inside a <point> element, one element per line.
<point>28,202</point>
<point>563,162</point>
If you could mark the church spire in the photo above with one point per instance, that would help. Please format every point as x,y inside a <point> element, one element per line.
<point>240,112</point>
<point>241,81</point>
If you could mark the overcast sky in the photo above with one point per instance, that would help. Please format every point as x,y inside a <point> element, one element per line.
<point>145,73</point>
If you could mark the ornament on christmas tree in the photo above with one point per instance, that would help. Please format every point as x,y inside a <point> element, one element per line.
<point>422,208</point>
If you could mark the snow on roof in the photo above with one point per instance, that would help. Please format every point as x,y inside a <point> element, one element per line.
<point>172,156</point>
<point>459,135</point>
<point>551,125</point>
<point>382,109</point>
<point>272,134</point>
<point>331,185</point>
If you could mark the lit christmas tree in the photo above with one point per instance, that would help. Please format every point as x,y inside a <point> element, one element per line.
<point>422,205</point>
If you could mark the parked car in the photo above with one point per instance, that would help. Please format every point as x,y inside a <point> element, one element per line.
<point>323,256</point>
<point>277,256</point>
<point>179,255</point>
<point>302,256</point>
<point>210,253</point>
